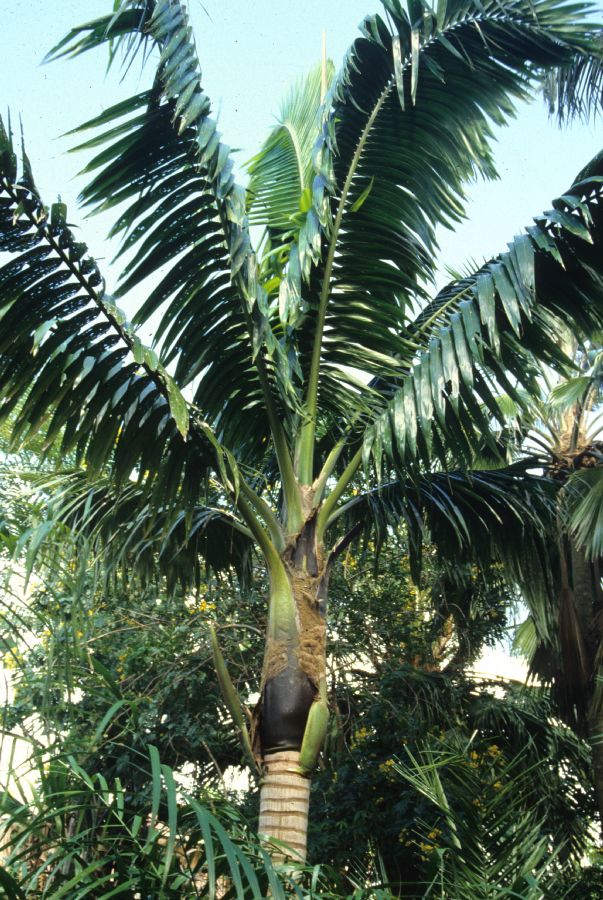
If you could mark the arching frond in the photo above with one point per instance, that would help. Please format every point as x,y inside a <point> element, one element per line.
<point>71,368</point>
<point>471,515</point>
<point>106,849</point>
<point>583,496</point>
<point>127,530</point>
<point>488,330</point>
<point>185,226</point>
<point>407,124</point>
<point>575,90</point>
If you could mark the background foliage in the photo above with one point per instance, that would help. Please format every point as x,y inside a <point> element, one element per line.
<point>113,682</point>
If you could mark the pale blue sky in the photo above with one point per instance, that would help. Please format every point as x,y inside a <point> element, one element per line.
<point>250,53</point>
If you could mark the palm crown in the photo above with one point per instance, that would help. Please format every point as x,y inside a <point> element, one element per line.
<point>329,352</point>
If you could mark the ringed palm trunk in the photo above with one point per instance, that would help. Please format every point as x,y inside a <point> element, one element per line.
<point>589,609</point>
<point>596,744</point>
<point>581,605</point>
<point>293,681</point>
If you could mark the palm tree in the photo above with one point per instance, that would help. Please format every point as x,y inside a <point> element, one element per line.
<point>563,636</point>
<point>326,357</point>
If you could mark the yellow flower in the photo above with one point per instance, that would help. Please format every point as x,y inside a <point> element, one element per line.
<point>494,751</point>
<point>497,785</point>
<point>203,606</point>
<point>360,735</point>
<point>386,767</point>
<point>12,659</point>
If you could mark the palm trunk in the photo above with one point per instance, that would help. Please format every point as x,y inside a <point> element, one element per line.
<point>284,803</point>
<point>293,687</point>
<point>587,592</point>
<point>596,743</point>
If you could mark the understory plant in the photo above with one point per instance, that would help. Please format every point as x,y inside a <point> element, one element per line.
<point>123,727</point>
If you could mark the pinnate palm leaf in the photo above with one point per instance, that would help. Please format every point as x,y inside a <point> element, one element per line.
<point>584,506</point>
<point>71,367</point>
<point>496,845</point>
<point>117,845</point>
<point>488,329</point>
<point>406,125</point>
<point>478,515</point>
<point>185,226</point>
<point>129,528</point>
<point>576,89</point>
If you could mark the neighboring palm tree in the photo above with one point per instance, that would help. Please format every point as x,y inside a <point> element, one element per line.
<point>563,636</point>
<point>276,355</point>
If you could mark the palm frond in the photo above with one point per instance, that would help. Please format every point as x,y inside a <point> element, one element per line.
<point>71,367</point>
<point>569,392</point>
<point>118,28</point>
<point>280,175</point>
<point>583,496</point>
<point>185,226</point>
<point>480,822</point>
<point>406,125</point>
<point>468,515</point>
<point>488,329</point>
<point>82,833</point>
<point>128,529</point>
<point>575,90</point>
